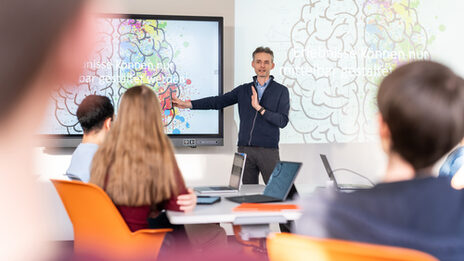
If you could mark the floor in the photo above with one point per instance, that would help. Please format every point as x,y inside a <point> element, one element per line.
<point>236,250</point>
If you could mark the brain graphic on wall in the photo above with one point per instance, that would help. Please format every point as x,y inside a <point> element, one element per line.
<point>129,52</point>
<point>340,50</point>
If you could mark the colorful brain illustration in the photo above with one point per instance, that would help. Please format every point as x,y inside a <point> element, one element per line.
<point>129,52</point>
<point>149,59</point>
<point>340,50</point>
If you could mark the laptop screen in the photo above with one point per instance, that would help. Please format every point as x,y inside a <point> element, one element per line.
<point>237,170</point>
<point>327,167</point>
<point>282,179</point>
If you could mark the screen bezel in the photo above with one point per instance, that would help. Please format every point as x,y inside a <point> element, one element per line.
<point>220,21</point>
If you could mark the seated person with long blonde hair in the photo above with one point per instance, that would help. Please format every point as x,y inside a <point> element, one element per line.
<point>136,166</point>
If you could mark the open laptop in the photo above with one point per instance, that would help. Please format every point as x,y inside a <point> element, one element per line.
<point>238,166</point>
<point>73,177</point>
<point>277,188</point>
<point>338,186</point>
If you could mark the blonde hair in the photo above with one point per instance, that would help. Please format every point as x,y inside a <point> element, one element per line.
<point>137,155</point>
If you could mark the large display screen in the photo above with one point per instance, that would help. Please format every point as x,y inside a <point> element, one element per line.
<point>332,56</point>
<point>173,55</point>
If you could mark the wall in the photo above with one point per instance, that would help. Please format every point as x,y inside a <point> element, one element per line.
<point>198,165</point>
<point>211,165</point>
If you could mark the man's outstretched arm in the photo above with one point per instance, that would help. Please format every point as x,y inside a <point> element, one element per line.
<point>180,103</point>
<point>209,103</point>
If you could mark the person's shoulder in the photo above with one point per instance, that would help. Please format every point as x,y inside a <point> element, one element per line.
<point>279,86</point>
<point>421,185</point>
<point>85,150</point>
<point>88,147</point>
<point>244,85</point>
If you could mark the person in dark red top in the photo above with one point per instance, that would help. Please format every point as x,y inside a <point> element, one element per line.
<point>136,166</point>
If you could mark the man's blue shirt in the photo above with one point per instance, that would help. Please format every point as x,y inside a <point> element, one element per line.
<point>261,88</point>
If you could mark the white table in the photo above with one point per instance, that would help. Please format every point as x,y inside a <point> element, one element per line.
<point>254,223</point>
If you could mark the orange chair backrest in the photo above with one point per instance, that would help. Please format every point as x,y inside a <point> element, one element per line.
<point>284,246</point>
<point>99,229</point>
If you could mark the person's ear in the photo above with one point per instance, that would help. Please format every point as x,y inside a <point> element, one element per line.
<point>107,123</point>
<point>384,133</point>
<point>273,65</point>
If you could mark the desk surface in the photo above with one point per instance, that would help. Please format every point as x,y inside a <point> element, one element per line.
<point>222,212</point>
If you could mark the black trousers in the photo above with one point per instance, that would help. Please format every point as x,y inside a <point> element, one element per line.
<point>258,160</point>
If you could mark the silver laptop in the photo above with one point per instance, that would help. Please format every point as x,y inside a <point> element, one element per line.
<point>238,166</point>
<point>338,186</point>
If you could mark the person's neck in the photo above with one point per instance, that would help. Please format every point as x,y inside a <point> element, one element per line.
<point>263,80</point>
<point>398,169</point>
<point>93,138</point>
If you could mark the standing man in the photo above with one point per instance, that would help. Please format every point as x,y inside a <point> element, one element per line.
<point>263,108</point>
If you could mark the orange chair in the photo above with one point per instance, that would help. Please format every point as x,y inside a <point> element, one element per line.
<point>100,231</point>
<point>284,246</point>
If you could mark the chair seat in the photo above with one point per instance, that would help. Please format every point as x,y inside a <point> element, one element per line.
<point>284,246</point>
<point>99,229</point>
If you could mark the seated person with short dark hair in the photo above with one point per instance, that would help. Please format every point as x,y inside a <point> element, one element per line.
<point>95,114</point>
<point>421,118</point>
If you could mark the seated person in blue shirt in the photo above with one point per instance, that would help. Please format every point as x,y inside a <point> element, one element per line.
<point>421,108</point>
<point>94,114</point>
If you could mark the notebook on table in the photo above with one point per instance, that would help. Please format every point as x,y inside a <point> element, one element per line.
<point>265,207</point>
<point>235,180</point>
<point>277,188</point>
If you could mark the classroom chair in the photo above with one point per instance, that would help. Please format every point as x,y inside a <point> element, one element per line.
<point>100,232</point>
<point>284,246</point>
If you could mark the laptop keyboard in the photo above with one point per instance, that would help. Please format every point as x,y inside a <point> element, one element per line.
<point>252,199</point>
<point>220,188</point>
<point>216,188</point>
<point>354,186</point>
